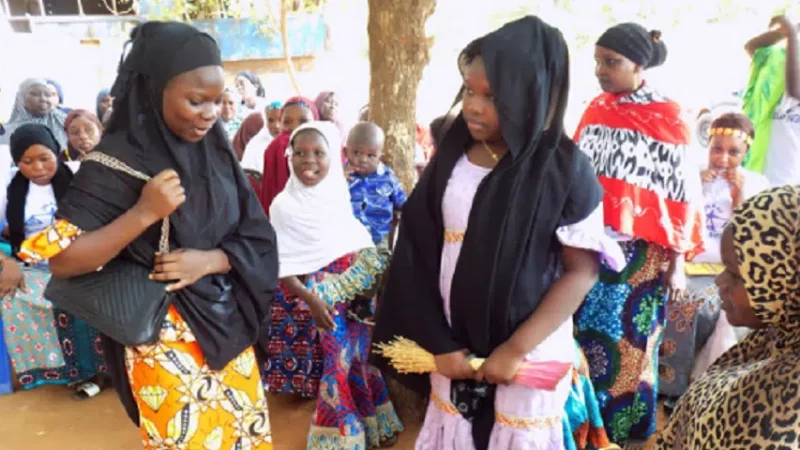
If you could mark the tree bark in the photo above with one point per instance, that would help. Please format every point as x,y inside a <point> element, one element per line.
<point>398,53</point>
<point>287,50</point>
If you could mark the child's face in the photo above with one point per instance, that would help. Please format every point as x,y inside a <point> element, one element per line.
<point>274,121</point>
<point>228,109</point>
<point>725,152</point>
<point>329,108</point>
<point>38,164</point>
<point>363,158</point>
<point>293,116</point>
<point>84,134</point>
<point>310,160</point>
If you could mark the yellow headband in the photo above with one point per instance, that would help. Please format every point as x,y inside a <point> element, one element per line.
<point>739,134</point>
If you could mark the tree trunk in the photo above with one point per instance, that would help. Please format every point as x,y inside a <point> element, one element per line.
<point>398,52</point>
<point>287,50</point>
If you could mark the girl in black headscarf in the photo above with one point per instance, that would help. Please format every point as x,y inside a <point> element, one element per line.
<point>199,383</point>
<point>42,180</point>
<point>497,248</point>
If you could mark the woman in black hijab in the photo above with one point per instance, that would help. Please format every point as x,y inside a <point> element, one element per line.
<point>485,263</point>
<point>199,383</point>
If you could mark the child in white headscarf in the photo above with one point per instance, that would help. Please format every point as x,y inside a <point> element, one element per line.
<point>329,269</point>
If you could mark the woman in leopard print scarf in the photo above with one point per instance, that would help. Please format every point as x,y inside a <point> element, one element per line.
<point>751,396</point>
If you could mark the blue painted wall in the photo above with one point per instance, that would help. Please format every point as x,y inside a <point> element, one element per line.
<point>242,39</point>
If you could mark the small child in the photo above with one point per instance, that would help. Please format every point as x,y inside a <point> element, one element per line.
<point>328,265</point>
<point>375,191</point>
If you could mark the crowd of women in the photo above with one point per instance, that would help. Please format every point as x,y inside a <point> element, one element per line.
<point>269,228</point>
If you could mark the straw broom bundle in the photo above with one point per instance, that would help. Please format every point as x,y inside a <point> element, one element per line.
<point>408,357</point>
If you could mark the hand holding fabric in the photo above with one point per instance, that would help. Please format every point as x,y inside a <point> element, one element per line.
<point>454,365</point>
<point>501,366</point>
<point>708,175</point>
<point>183,267</point>
<point>675,278</point>
<point>161,196</point>
<point>11,278</point>
<point>322,313</point>
<point>736,180</point>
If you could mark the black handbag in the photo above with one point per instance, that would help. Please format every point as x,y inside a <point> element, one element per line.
<point>119,300</point>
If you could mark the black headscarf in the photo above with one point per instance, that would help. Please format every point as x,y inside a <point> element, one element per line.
<point>543,183</point>
<point>227,313</point>
<point>634,42</point>
<point>17,193</point>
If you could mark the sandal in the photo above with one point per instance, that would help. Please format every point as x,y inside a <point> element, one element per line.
<point>85,391</point>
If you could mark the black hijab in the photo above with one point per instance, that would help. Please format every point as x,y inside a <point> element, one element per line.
<point>227,313</point>
<point>543,183</point>
<point>17,193</point>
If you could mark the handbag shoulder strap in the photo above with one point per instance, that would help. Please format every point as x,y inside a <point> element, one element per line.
<point>115,164</point>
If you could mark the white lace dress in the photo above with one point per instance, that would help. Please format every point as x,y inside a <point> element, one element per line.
<point>526,419</point>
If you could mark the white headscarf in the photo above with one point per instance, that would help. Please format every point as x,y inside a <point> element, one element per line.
<point>315,225</point>
<point>54,119</point>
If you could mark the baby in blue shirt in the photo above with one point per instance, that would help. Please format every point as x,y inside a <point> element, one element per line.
<point>375,191</point>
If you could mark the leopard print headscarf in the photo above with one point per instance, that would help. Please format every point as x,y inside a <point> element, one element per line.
<point>766,235</point>
<point>750,397</point>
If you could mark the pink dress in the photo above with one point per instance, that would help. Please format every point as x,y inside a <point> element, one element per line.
<point>526,419</point>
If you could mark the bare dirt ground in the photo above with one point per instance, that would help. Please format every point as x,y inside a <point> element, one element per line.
<point>48,418</point>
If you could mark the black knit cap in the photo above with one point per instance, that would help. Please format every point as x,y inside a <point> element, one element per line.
<point>634,42</point>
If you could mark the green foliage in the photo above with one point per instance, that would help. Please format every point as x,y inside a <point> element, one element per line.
<point>266,11</point>
<point>588,17</point>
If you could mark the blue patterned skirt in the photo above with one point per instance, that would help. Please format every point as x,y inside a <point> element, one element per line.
<point>619,328</point>
<point>353,407</point>
<point>47,345</point>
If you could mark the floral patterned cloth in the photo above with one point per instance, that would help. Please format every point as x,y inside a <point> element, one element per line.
<point>31,335</point>
<point>690,322</point>
<point>47,344</point>
<point>183,403</point>
<point>619,327</point>
<point>353,408</point>
<point>692,319</point>
<point>583,423</point>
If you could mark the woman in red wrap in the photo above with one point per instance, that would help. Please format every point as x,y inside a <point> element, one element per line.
<point>637,143</point>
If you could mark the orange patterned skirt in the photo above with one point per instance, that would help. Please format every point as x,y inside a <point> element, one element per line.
<point>183,404</point>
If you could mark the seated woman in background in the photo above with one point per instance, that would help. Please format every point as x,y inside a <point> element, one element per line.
<point>83,131</point>
<point>229,113</point>
<point>691,319</point>
<point>57,94</point>
<point>35,104</point>
<point>48,345</point>
<point>103,103</point>
<point>251,90</point>
<point>748,398</point>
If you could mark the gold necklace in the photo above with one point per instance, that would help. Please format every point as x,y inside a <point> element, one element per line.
<point>491,152</point>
